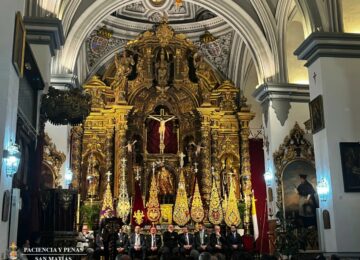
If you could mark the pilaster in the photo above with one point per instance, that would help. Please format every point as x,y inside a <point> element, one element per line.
<point>333,61</point>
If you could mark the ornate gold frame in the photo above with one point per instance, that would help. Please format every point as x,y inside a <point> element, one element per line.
<point>294,148</point>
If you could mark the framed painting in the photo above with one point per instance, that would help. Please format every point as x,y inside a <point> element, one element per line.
<point>299,180</point>
<point>19,45</point>
<point>350,160</point>
<point>317,114</point>
<point>6,206</point>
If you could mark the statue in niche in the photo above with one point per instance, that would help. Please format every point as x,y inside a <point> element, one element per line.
<point>228,174</point>
<point>162,70</point>
<point>123,70</point>
<point>165,182</point>
<point>93,176</point>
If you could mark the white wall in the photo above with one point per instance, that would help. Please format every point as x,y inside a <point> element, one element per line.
<point>276,133</point>
<point>338,81</point>
<point>8,99</point>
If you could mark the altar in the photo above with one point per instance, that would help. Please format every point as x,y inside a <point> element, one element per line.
<point>163,119</point>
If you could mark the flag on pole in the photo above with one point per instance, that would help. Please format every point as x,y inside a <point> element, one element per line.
<point>254,217</point>
<point>138,210</point>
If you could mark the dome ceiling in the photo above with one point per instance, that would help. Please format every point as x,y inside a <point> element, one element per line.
<point>151,11</point>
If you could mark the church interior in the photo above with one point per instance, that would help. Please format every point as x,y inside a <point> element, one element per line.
<point>232,120</point>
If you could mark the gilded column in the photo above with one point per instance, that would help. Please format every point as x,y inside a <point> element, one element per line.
<point>245,116</point>
<point>76,144</point>
<point>109,149</point>
<point>121,112</point>
<point>205,113</point>
<point>214,156</point>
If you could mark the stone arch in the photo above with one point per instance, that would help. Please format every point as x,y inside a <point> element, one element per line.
<point>232,13</point>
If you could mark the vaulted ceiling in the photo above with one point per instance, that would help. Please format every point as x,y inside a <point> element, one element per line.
<point>256,37</point>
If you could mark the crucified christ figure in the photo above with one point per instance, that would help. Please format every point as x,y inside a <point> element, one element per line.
<point>162,119</point>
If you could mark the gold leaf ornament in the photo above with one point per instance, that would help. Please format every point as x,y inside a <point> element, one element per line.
<point>181,213</point>
<point>197,209</point>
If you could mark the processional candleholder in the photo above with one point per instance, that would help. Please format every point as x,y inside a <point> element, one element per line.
<point>123,207</point>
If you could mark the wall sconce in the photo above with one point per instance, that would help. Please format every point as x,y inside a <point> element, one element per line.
<point>12,158</point>
<point>268,176</point>
<point>322,189</point>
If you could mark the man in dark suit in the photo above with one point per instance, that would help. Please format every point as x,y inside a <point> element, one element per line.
<point>187,244</point>
<point>99,247</point>
<point>202,239</point>
<point>218,243</point>
<point>137,244</point>
<point>234,242</point>
<point>121,243</point>
<point>170,239</point>
<point>153,244</point>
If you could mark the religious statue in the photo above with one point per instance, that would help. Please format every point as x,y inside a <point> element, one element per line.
<point>123,69</point>
<point>93,176</point>
<point>229,174</point>
<point>162,119</point>
<point>162,68</point>
<point>198,148</point>
<point>165,182</point>
<point>129,146</point>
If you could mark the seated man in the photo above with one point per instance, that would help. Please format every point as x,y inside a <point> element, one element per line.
<point>218,243</point>
<point>234,242</point>
<point>187,244</point>
<point>86,241</point>
<point>202,239</point>
<point>153,244</point>
<point>99,247</point>
<point>137,244</point>
<point>121,243</point>
<point>170,239</point>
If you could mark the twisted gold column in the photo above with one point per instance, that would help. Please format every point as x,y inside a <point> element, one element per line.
<point>245,116</point>
<point>120,142</point>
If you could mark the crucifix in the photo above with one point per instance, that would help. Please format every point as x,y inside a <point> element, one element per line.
<point>162,119</point>
<point>182,155</point>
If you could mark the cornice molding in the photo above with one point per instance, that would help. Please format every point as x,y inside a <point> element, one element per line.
<point>45,31</point>
<point>61,81</point>
<point>282,91</point>
<point>329,44</point>
<point>281,96</point>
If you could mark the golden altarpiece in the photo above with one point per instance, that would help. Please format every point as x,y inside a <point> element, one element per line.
<point>161,105</point>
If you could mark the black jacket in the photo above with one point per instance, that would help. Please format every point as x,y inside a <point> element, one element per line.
<point>198,239</point>
<point>142,240</point>
<point>234,240</point>
<point>122,240</point>
<point>157,240</point>
<point>182,240</point>
<point>170,239</point>
<point>214,241</point>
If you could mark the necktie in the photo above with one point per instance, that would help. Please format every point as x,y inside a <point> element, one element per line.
<point>154,241</point>
<point>137,240</point>
<point>234,235</point>
<point>202,237</point>
<point>187,239</point>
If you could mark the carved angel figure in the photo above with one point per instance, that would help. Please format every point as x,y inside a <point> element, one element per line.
<point>123,69</point>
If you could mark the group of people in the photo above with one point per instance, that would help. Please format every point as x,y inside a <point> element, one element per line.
<point>171,245</point>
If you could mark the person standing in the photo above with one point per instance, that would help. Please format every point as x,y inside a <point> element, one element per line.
<point>307,202</point>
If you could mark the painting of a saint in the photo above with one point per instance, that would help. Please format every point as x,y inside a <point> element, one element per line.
<point>300,199</point>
